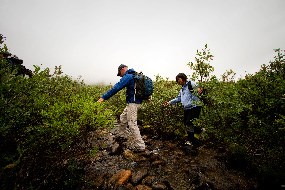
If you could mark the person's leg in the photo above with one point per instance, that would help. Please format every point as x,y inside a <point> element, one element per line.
<point>123,117</point>
<point>189,116</point>
<point>122,129</point>
<point>196,112</point>
<point>135,140</point>
<point>188,124</point>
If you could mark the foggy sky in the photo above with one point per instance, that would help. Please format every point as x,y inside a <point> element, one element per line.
<point>91,38</point>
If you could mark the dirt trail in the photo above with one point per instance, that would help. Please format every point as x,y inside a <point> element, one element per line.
<point>165,166</point>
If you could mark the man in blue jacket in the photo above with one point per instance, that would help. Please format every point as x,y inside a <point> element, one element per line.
<point>128,119</point>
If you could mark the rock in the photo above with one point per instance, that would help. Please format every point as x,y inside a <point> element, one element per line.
<point>206,186</point>
<point>99,181</point>
<point>196,180</point>
<point>130,155</point>
<point>10,166</point>
<point>158,163</point>
<point>128,186</point>
<point>148,180</point>
<point>143,187</point>
<point>145,153</point>
<point>159,186</point>
<point>119,178</point>
<point>138,176</point>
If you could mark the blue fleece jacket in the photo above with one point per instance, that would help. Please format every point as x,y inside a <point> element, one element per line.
<point>126,81</point>
<point>187,99</point>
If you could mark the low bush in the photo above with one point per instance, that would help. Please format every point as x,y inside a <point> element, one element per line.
<point>42,117</point>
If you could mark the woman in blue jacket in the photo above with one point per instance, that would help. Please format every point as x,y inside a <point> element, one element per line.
<point>189,102</point>
<point>128,119</point>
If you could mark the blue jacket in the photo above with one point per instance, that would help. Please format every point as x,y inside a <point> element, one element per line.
<point>126,81</point>
<point>187,99</point>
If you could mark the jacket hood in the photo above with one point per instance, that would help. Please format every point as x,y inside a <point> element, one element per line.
<point>130,71</point>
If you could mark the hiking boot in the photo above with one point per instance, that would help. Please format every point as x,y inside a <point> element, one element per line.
<point>184,142</point>
<point>189,143</point>
<point>195,142</point>
<point>143,152</point>
<point>187,148</point>
<point>120,140</point>
<point>190,149</point>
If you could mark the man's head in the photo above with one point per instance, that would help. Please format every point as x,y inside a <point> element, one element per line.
<point>181,78</point>
<point>122,69</point>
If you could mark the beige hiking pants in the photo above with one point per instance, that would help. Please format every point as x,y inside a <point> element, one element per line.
<point>129,125</point>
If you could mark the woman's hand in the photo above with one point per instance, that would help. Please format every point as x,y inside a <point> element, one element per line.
<point>166,103</point>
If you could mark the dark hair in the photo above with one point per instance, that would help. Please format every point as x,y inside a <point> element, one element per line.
<point>182,76</point>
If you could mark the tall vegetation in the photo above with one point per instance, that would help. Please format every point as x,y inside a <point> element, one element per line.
<point>202,67</point>
<point>42,118</point>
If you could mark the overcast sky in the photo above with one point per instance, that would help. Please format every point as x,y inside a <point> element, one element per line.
<point>91,38</point>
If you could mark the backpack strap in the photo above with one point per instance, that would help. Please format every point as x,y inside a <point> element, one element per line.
<point>135,84</point>
<point>190,87</point>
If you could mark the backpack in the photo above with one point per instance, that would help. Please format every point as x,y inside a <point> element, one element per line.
<point>202,96</point>
<point>190,87</point>
<point>143,86</point>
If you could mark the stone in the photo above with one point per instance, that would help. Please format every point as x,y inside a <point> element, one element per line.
<point>138,176</point>
<point>143,187</point>
<point>159,186</point>
<point>119,178</point>
<point>148,180</point>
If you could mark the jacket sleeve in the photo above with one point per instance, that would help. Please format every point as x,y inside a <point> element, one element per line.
<point>176,100</point>
<point>117,87</point>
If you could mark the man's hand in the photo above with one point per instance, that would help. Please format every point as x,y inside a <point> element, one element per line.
<point>100,100</point>
<point>149,98</point>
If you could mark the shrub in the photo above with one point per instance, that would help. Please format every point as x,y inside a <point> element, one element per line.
<point>44,116</point>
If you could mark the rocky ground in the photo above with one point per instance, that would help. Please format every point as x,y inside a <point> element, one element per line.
<point>166,166</point>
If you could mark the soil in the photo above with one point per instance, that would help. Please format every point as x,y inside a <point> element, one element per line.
<point>165,165</point>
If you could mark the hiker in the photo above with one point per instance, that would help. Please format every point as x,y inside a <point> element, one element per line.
<point>188,100</point>
<point>128,119</point>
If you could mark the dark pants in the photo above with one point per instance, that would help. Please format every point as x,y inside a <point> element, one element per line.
<point>189,116</point>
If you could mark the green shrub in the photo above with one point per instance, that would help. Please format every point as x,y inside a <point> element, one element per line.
<point>249,114</point>
<point>45,116</point>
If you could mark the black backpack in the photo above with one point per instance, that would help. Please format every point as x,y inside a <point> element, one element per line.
<point>202,96</point>
<point>190,87</point>
<point>143,86</point>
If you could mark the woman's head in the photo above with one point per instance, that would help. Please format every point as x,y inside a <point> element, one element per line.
<point>181,78</point>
